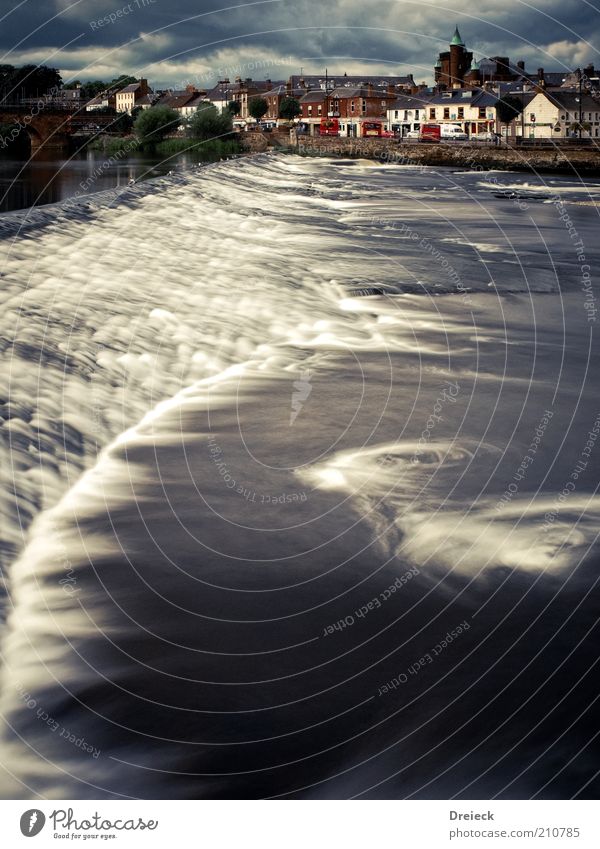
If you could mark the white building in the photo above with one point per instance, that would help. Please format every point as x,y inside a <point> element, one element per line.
<point>126,99</point>
<point>556,115</point>
<point>406,114</point>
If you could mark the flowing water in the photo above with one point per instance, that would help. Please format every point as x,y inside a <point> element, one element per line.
<point>300,474</point>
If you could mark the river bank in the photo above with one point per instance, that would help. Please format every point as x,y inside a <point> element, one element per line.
<point>472,157</point>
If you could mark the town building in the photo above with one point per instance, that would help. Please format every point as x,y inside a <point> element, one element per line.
<point>103,100</point>
<point>453,65</point>
<point>557,115</point>
<point>406,114</point>
<point>474,109</point>
<point>349,106</point>
<point>185,102</point>
<point>277,95</point>
<point>309,82</point>
<point>126,98</point>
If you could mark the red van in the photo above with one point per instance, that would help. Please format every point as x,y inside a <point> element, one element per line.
<point>430,132</point>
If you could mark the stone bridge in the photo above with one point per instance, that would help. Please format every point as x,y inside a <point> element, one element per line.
<point>46,128</point>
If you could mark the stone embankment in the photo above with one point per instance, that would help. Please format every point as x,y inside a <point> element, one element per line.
<point>470,156</point>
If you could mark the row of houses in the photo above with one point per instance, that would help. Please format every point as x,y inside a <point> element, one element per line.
<point>546,112</point>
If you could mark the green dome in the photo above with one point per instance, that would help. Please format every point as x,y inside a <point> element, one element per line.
<point>474,66</point>
<point>456,39</point>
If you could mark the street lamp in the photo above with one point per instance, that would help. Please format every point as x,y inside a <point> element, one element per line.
<point>580,78</point>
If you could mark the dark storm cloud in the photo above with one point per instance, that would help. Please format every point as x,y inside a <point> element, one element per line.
<point>170,41</point>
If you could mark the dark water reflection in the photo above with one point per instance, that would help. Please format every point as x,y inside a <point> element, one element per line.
<point>49,178</point>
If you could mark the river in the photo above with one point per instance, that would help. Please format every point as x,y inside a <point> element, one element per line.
<point>44,178</point>
<point>300,487</point>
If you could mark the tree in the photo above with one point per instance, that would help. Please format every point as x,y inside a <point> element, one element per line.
<point>290,108</point>
<point>234,107</point>
<point>207,123</point>
<point>32,81</point>
<point>258,107</point>
<point>123,123</point>
<point>122,81</point>
<point>92,88</point>
<point>152,125</point>
<point>507,109</point>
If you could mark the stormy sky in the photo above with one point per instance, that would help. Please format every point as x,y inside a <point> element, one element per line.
<point>174,42</point>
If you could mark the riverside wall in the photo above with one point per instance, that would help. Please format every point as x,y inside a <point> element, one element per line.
<point>471,156</point>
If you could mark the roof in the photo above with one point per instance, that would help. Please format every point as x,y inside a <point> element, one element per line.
<point>313,97</point>
<point>461,96</point>
<point>129,88</point>
<point>570,100</point>
<point>456,39</point>
<point>342,80</point>
<point>407,101</point>
<point>284,91</point>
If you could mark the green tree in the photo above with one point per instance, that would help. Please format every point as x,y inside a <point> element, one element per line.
<point>32,81</point>
<point>290,108</point>
<point>508,108</point>
<point>258,107</point>
<point>122,81</point>
<point>152,125</point>
<point>123,123</point>
<point>91,88</point>
<point>234,107</point>
<point>208,123</point>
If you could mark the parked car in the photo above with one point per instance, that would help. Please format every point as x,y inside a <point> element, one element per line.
<point>486,136</point>
<point>442,132</point>
<point>388,134</point>
<point>413,134</point>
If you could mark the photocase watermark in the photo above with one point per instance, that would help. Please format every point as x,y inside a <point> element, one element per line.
<point>53,724</point>
<point>301,394</point>
<point>123,12</point>
<point>428,247</point>
<point>526,461</point>
<point>448,395</point>
<point>231,72</point>
<point>427,659</point>
<point>248,494</point>
<point>99,170</point>
<point>589,303</point>
<point>22,123</point>
<point>579,469</point>
<point>32,822</point>
<point>372,605</point>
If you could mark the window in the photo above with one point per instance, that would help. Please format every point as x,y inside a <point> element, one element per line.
<point>351,106</point>
<point>417,114</point>
<point>396,113</point>
<point>364,106</point>
<point>432,114</point>
<point>446,113</point>
<point>482,111</point>
<point>319,110</point>
<point>461,111</point>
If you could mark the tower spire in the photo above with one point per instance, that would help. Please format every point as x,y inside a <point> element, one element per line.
<point>456,39</point>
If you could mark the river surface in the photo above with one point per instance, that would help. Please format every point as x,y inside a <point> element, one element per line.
<point>300,488</point>
<point>45,179</point>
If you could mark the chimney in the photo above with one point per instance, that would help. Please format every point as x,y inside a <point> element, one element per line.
<point>144,86</point>
<point>521,65</point>
<point>391,88</point>
<point>541,79</point>
<point>370,90</point>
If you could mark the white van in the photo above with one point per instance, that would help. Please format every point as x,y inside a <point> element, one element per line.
<point>453,131</point>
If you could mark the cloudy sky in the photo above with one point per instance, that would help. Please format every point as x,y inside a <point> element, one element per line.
<point>173,42</point>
